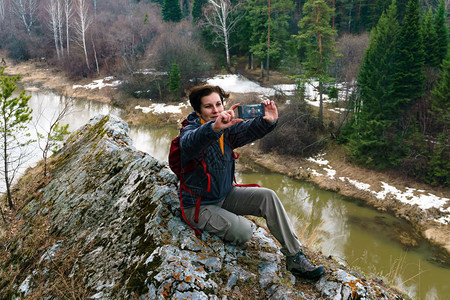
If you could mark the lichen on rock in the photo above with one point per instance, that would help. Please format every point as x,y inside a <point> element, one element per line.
<point>116,233</point>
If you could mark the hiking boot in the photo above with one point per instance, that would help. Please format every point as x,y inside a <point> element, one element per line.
<point>300,265</point>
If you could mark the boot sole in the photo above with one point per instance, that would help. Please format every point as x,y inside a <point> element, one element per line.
<point>316,274</point>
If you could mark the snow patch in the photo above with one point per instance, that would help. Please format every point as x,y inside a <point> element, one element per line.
<point>410,196</point>
<point>424,201</point>
<point>160,108</point>
<point>330,172</point>
<point>357,184</point>
<point>239,84</point>
<point>314,172</point>
<point>24,287</point>
<point>99,84</point>
<point>318,159</point>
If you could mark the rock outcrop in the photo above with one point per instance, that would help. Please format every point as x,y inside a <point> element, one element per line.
<point>112,227</point>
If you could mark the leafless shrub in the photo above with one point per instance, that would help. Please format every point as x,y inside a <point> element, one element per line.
<point>352,48</point>
<point>298,132</point>
<point>181,46</point>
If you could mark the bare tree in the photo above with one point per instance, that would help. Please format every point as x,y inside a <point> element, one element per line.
<point>347,65</point>
<point>60,18</point>
<point>53,9</point>
<point>94,2</point>
<point>68,11</point>
<point>81,25</point>
<point>25,10</point>
<point>2,10</point>
<point>49,132</point>
<point>220,16</point>
<point>351,48</point>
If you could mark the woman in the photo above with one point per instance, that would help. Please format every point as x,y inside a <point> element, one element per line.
<point>211,202</point>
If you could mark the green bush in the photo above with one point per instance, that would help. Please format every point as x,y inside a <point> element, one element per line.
<point>18,50</point>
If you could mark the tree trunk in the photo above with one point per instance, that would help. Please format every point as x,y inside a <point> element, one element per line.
<point>60,26</point>
<point>262,69</point>
<point>227,50</point>
<point>5,153</point>
<point>95,56</point>
<point>299,10</point>
<point>2,10</point>
<point>53,12</point>
<point>268,42</point>
<point>333,17</point>
<point>3,216</point>
<point>82,24</point>
<point>45,163</point>
<point>55,38</point>
<point>321,103</point>
<point>67,12</point>
<point>85,51</point>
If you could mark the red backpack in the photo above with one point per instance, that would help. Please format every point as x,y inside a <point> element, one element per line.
<point>175,166</point>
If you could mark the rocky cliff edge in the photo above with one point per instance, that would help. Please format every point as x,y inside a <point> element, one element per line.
<point>106,225</point>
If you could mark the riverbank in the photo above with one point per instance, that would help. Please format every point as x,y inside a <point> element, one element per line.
<point>385,191</point>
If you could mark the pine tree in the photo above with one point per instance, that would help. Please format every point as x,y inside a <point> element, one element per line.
<point>440,23</point>
<point>185,7</point>
<point>430,41</point>
<point>439,165</point>
<point>440,99</point>
<point>368,134</point>
<point>197,10</point>
<point>318,37</point>
<point>268,34</point>
<point>409,77</point>
<point>174,78</point>
<point>171,11</point>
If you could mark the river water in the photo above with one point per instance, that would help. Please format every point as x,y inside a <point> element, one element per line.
<point>344,228</point>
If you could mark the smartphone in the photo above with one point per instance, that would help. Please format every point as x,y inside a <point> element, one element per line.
<point>251,111</point>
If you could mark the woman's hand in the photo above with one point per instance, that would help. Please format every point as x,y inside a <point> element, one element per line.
<point>271,111</point>
<point>226,119</point>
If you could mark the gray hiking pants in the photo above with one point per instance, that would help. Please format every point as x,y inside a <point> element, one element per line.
<point>225,220</point>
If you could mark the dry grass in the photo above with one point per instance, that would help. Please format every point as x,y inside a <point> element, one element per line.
<point>310,236</point>
<point>24,239</point>
<point>397,267</point>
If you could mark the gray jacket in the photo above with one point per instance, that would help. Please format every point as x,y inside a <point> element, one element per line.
<point>199,142</point>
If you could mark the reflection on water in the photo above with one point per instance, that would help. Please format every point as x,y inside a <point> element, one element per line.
<point>363,237</point>
<point>153,140</point>
<point>47,105</point>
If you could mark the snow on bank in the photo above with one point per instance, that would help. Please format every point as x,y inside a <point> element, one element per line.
<point>410,196</point>
<point>239,84</point>
<point>233,83</point>
<point>99,84</point>
<point>160,108</point>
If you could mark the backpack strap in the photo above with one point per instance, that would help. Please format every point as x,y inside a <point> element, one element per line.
<point>245,185</point>
<point>189,167</point>
<point>235,156</point>
<point>198,233</point>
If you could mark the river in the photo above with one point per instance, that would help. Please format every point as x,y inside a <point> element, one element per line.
<point>343,228</point>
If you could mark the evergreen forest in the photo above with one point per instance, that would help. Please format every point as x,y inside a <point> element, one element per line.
<point>388,58</point>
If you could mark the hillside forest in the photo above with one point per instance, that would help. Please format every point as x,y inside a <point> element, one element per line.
<point>387,61</point>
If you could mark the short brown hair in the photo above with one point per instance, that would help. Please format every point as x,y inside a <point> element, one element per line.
<point>198,92</point>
